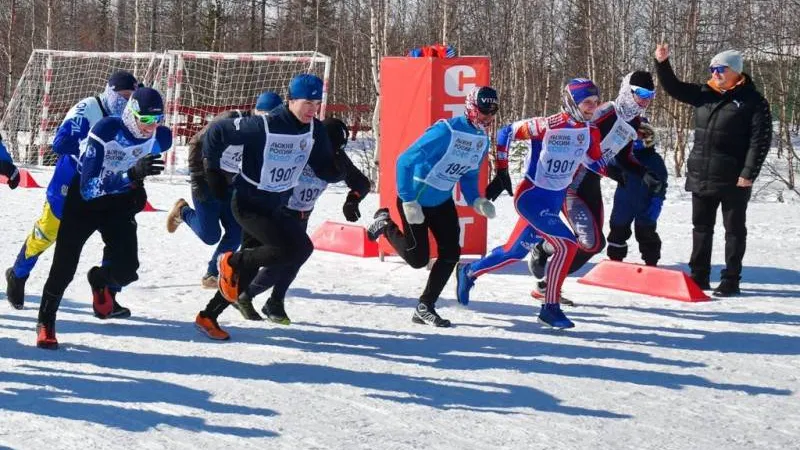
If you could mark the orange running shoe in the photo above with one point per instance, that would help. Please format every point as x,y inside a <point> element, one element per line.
<point>46,336</point>
<point>228,278</point>
<point>210,328</point>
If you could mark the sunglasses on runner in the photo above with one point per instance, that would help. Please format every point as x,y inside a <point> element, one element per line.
<point>148,119</point>
<point>641,92</point>
<point>718,69</point>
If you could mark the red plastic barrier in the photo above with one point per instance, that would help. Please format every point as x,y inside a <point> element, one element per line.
<point>25,180</point>
<point>149,208</point>
<point>344,238</point>
<point>648,280</point>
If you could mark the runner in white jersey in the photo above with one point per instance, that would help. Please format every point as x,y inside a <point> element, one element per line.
<point>560,145</point>
<point>120,153</point>
<point>301,204</point>
<point>69,136</point>
<point>210,216</point>
<point>449,152</point>
<point>276,149</point>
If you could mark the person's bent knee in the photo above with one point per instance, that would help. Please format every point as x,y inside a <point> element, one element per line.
<point>302,251</point>
<point>210,235</point>
<point>417,262</point>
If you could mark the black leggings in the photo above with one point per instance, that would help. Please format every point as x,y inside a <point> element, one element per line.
<point>114,217</point>
<point>274,247</point>
<point>414,248</point>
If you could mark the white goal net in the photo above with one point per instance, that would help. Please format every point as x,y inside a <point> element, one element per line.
<point>196,86</point>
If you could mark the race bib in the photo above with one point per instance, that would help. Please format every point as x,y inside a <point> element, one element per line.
<point>307,191</point>
<point>285,156</point>
<point>231,160</point>
<point>462,156</point>
<point>119,159</point>
<point>617,138</point>
<point>563,151</point>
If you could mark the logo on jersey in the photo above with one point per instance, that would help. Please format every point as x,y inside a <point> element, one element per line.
<point>581,138</point>
<point>303,144</point>
<point>550,217</point>
<point>555,120</point>
<point>137,151</point>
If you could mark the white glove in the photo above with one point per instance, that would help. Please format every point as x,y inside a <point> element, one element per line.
<point>484,207</point>
<point>413,212</point>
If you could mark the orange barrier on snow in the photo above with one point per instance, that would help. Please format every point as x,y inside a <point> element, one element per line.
<point>344,238</point>
<point>25,180</point>
<point>648,280</point>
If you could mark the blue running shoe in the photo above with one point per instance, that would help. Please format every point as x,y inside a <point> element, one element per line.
<point>551,315</point>
<point>463,283</point>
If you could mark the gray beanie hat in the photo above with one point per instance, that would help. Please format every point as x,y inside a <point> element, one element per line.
<point>730,58</point>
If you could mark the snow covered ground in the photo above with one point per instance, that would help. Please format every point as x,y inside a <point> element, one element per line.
<point>353,372</point>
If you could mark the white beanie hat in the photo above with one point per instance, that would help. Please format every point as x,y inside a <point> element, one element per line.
<point>729,58</point>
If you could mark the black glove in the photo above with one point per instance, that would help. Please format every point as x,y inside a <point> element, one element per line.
<point>616,173</point>
<point>653,183</point>
<point>149,165</point>
<point>199,187</point>
<point>10,171</point>
<point>501,182</point>
<point>350,208</point>
<point>217,183</point>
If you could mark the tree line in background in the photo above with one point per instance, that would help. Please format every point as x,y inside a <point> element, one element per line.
<point>534,45</point>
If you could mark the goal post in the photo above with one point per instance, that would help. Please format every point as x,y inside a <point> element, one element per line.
<point>204,84</point>
<point>196,86</point>
<point>51,83</point>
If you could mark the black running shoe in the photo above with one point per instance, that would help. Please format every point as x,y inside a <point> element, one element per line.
<point>275,312</point>
<point>15,289</point>
<point>382,220</point>
<point>538,261</point>
<point>245,306</point>
<point>425,314</point>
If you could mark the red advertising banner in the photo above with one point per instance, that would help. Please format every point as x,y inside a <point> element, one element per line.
<point>415,93</point>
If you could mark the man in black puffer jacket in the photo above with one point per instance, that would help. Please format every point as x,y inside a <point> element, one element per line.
<point>732,135</point>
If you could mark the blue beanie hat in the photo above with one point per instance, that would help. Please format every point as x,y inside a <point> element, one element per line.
<point>305,86</point>
<point>268,101</point>
<point>147,101</point>
<point>122,81</point>
<point>582,88</point>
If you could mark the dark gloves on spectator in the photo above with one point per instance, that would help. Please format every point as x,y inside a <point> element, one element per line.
<point>10,171</point>
<point>199,187</point>
<point>350,208</point>
<point>616,173</point>
<point>654,185</point>
<point>148,165</point>
<point>501,182</point>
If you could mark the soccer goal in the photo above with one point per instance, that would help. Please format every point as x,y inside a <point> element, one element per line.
<point>205,84</point>
<point>51,83</point>
<point>196,87</point>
